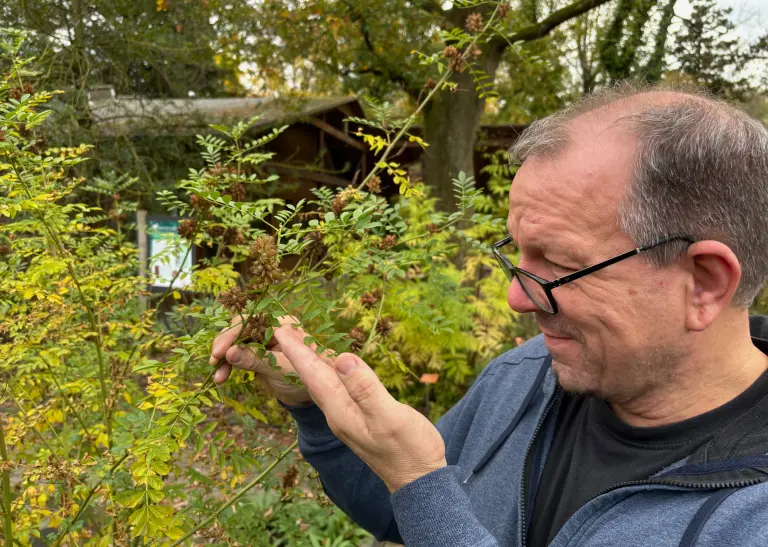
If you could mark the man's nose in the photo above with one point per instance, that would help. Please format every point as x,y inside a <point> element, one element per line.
<point>518,300</point>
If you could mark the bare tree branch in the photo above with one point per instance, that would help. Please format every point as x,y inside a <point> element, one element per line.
<point>555,19</point>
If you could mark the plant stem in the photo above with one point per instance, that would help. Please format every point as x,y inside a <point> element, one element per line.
<point>88,308</point>
<point>7,522</point>
<point>373,328</point>
<point>412,118</point>
<point>240,493</point>
<point>84,505</point>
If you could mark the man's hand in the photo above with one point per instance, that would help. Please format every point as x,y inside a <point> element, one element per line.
<point>243,357</point>
<point>398,443</point>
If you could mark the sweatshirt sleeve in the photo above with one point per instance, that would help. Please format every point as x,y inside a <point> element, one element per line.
<point>363,496</point>
<point>434,511</point>
<point>346,479</point>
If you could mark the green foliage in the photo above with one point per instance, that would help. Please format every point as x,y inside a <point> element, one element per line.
<point>115,430</point>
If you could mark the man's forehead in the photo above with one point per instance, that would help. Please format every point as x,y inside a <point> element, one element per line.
<point>577,189</point>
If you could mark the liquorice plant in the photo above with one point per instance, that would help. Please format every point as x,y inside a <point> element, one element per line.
<point>107,412</point>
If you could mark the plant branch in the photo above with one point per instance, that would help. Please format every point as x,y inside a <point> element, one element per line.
<point>544,27</point>
<point>94,324</point>
<point>240,493</point>
<point>7,522</point>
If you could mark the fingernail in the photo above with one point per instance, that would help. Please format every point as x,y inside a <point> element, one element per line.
<point>346,364</point>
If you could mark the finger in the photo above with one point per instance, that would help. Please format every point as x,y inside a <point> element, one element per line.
<point>222,373</point>
<point>245,358</point>
<point>224,340</point>
<point>319,377</point>
<point>362,384</point>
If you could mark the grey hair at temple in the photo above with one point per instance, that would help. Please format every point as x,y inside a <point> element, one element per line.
<point>701,169</point>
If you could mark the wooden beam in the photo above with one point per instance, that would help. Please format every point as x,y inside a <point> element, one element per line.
<point>308,174</point>
<point>343,137</point>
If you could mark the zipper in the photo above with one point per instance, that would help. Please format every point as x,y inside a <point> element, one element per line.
<point>552,402</point>
<point>687,484</point>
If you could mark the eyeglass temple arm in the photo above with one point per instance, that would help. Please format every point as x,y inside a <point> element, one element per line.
<point>615,259</point>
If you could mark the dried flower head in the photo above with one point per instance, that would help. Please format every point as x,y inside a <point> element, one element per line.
<point>476,51</point>
<point>15,93</point>
<point>475,22</point>
<point>28,89</point>
<point>266,266</point>
<point>233,236</point>
<point>234,299</point>
<point>339,202</point>
<point>388,242</point>
<point>457,64</point>
<point>256,329</point>
<point>290,476</point>
<point>5,249</point>
<point>238,192</point>
<point>451,52</point>
<point>504,8</point>
<point>374,184</point>
<point>430,84</point>
<point>371,268</point>
<point>370,299</point>
<point>199,204</point>
<point>384,326</point>
<point>358,339</point>
<point>216,231</point>
<point>433,228</point>
<point>187,228</point>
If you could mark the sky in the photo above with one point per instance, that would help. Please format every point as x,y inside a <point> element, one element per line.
<point>750,16</point>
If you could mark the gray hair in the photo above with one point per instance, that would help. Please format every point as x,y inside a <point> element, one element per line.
<point>701,170</point>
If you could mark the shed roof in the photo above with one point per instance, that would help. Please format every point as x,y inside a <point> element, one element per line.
<point>133,115</point>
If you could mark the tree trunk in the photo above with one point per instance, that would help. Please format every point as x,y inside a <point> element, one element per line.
<point>451,122</point>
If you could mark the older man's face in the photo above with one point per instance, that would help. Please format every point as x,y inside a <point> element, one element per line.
<point>617,333</point>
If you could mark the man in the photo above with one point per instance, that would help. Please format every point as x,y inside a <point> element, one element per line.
<point>640,416</point>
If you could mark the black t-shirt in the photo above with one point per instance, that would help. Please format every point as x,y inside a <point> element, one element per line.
<point>593,450</point>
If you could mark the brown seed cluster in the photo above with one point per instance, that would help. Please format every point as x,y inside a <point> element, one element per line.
<point>388,242</point>
<point>430,84</point>
<point>238,192</point>
<point>370,299</point>
<point>374,184</point>
<point>216,231</point>
<point>289,478</point>
<point>5,249</point>
<point>504,10</point>
<point>451,52</point>
<point>476,51</point>
<point>187,228</point>
<point>384,326</point>
<point>201,205</point>
<point>433,228</point>
<point>475,22</point>
<point>234,299</point>
<point>233,236</point>
<point>358,339</point>
<point>338,204</point>
<point>15,93</point>
<point>266,267</point>
<point>256,329</point>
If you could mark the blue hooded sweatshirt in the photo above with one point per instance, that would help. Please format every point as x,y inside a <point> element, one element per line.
<point>716,497</point>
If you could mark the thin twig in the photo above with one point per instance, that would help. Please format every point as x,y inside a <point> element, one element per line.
<point>240,493</point>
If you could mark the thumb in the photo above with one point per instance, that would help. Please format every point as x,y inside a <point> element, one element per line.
<point>361,383</point>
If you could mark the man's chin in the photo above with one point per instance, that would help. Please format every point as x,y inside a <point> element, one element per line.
<point>572,379</point>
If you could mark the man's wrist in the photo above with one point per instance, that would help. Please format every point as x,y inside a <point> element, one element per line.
<point>396,483</point>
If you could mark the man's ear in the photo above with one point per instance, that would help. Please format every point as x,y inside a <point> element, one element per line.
<point>715,276</point>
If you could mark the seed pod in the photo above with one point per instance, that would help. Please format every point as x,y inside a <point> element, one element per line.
<point>358,339</point>
<point>234,299</point>
<point>187,228</point>
<point>475,22</point>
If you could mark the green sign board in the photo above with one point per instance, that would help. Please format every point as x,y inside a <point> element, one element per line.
<point>168,254</point>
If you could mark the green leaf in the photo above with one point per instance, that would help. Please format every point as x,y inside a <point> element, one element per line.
<point>330,216</point>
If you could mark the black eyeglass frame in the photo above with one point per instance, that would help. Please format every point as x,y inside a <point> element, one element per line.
<point>512,271</point>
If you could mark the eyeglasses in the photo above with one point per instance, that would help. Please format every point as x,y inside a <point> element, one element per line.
<point>540,290</point>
